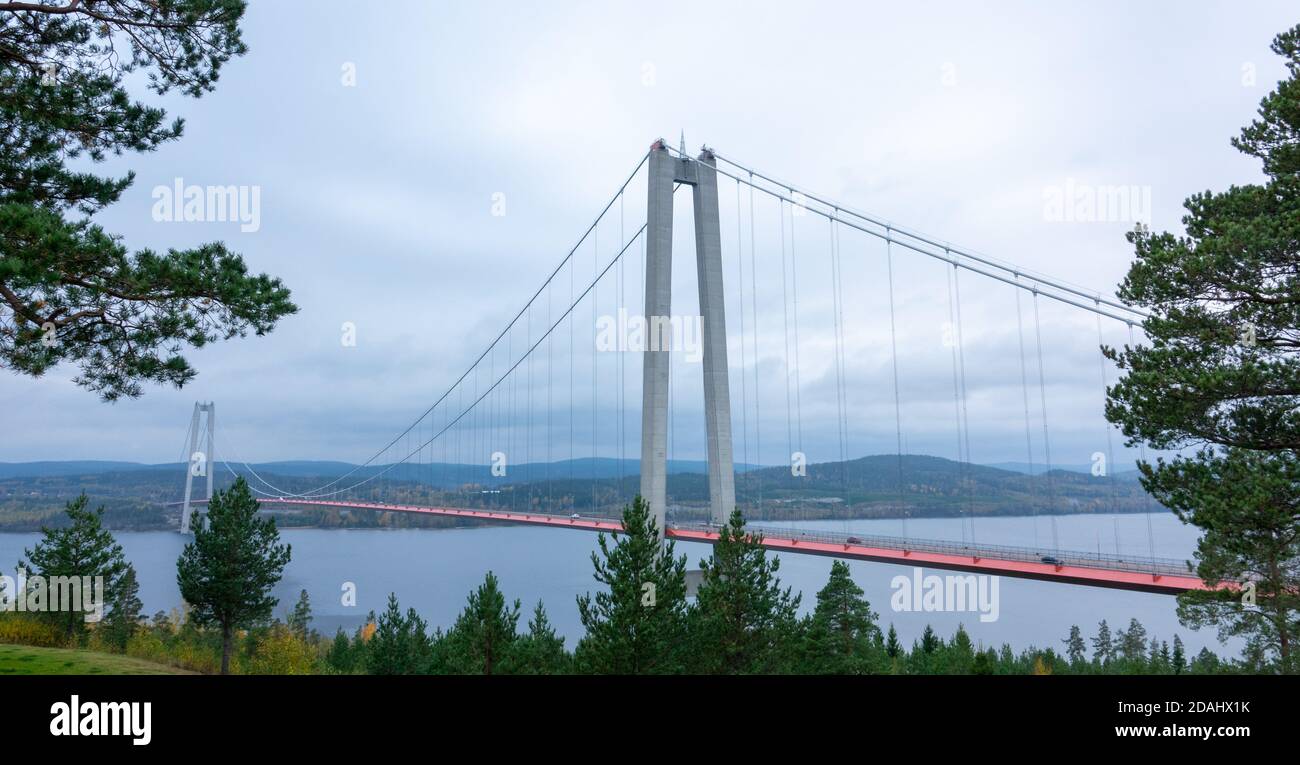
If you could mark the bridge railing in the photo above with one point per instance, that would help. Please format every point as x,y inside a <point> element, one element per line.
<point>1139,564</point>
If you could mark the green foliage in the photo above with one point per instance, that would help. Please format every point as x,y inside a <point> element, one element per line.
<point>628,631</point>
<point>400,644</point>
<point>1222,373</point>
<point>300,620</point>
<point>1075,648</point>
<point>540,651</point>
<point>125,611</point>
<point>227,572</point>
<point>742,621</point>
<point>70,291</point>
<point>342,657</point>
<point>84,548</point>
<point>483,638</point>
<point>842,636</point>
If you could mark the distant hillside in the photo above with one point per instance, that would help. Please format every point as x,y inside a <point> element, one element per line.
<point>446,475</point>
<point>869,487</point>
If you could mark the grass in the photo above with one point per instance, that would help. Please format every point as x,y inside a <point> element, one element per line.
<point>29,660</point>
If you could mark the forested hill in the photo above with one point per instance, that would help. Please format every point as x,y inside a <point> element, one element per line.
<point>136,496</point>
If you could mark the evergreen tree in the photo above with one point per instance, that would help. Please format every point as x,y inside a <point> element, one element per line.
<point>300,618</point>
<point>892,647</point>
<point>1179,659</point>
<point>341,657</point>
<point>70,291</point>
<point>1222,373</point>
<point>960,654</point>
<point>1103,650</point>
<point>83,548</point>
<point>540,651</point>
<point>929,641</point>
<point>742,621</point>
<point>400,644</point>
<point>1205,663</point>
<point>636,623</point>
<point>124,615</point>
<point>1074,647</point>
<point>842,637</point>
<point>227,572</point>
<point>484,635</point>
<point>1132,644</point>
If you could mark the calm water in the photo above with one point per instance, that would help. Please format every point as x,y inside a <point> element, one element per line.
<point>434,570</point>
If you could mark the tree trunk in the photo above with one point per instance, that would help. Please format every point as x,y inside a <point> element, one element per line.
<point>227,642</point>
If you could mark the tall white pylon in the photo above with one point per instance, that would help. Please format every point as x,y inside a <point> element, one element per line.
<point>199,463</point>
<point>664,172</point>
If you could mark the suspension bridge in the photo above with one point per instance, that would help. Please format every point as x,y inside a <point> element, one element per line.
<point>548,388</point>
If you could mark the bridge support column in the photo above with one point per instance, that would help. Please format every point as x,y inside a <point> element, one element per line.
<point>717,393</point>
<point>665,171</point>
<point>197,457</point>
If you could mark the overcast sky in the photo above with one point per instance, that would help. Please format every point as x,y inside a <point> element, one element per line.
<point>377,200</point>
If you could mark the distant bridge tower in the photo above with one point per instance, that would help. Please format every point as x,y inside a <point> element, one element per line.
<point>199,463</point>
<point>665,171</point>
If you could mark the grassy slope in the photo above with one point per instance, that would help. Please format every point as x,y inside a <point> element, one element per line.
<point>28,660</point>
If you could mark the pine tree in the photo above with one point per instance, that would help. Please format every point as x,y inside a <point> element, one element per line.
<point>226,574</point>
<point>961,654</point>
<point>400,644</point>
<point>1103,650</point>
<point>484,635</point>
<point>1132,644</point>
<point>1179,660</point>
<point>892,647</point>
<point>1205,663</point>
<point>300,618</point>
<point>1074,646</point>
<point>742,621</point>
<point>341,657</point>
<point>69,290</point>
<point>636,623</point>
<point>842,636</point>
<point>540,651</point>
<point>1222,374</point>
<point>124,615</point>
<point>929,641</point>
<point>80,550</point>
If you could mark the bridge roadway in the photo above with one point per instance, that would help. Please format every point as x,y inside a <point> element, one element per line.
<point>1165,576</point>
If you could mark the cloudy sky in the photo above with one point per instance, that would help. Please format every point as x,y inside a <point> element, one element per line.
<point>382,140</point>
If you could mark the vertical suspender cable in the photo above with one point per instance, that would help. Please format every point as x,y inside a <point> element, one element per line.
<point>1047,443</point>
<point>893,351</point>
<point>1024,390</point>
<point>951,338</point>
<point>572,402</point>
<point>794,313</point>
<point>753,297</point>
<point>622,389</point>
<point>965,412</point>
<point>1142,455</point>
<point>1110,449</point>
<point>595,299</point>
<point>740,292</point>
<point>785,319</point>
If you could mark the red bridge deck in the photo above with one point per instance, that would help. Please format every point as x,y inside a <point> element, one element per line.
<point>1157,578</point>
